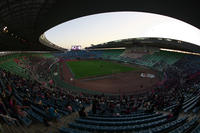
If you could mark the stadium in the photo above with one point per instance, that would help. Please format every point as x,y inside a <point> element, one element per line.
<point>130,85</point>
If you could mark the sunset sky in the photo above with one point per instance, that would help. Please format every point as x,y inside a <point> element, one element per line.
<point>104,27</point>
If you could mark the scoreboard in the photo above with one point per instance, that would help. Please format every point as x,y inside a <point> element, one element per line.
<point>76,47</point>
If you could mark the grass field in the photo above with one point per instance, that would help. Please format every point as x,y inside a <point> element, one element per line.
<point>92,68</point>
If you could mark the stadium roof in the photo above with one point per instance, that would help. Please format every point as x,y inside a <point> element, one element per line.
<point>165,43</point>
<point>26,20</point>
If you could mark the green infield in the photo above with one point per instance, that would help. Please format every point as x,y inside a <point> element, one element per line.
<point>93,68</point>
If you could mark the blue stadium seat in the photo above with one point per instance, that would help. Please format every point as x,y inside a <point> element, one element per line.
<point>120,123</point>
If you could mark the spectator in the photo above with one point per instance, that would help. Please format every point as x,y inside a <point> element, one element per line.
<point>17,109</point>
<point>82,112</point>
<point>2,107</point>
<point>53,113</point>
<point>94,107</point>
<point>26,102</point>
<point>69,108</point>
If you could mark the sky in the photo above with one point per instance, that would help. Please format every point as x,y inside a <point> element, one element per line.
<point>105,27</point>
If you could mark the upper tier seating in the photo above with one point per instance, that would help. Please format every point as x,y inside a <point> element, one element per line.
<point>159,60</point>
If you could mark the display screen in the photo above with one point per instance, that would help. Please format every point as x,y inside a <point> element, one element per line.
<point>76,47</point>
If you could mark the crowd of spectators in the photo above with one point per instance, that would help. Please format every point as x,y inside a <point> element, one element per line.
<point>19,95</point>
<point>40,66</point>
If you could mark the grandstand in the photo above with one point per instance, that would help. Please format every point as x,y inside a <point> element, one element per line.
<point>47,89</point>
<point>149,112</point>
<point>159,60</point>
